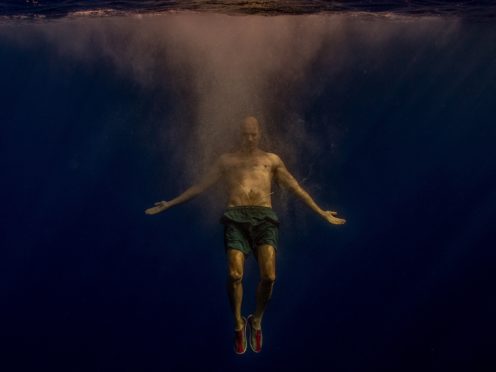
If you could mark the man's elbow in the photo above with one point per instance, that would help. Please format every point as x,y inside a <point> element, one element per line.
<point>198,189</point>
<point>294,187</point>
<point>203,186</point>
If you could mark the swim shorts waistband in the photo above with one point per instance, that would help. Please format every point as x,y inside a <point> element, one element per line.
<point>261,207</point>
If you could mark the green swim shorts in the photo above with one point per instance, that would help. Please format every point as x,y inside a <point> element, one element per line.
<point>248,227</point>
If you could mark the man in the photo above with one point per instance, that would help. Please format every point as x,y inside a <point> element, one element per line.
<point>250,225</point>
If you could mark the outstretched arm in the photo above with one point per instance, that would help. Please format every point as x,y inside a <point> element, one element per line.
<point>212,176</point>
<point>286,179</point>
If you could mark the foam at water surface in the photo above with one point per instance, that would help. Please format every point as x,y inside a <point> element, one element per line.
<point>479,10</point>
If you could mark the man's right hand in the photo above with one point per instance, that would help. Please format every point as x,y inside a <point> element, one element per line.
<point>330,217</point>
<point>159,207</point>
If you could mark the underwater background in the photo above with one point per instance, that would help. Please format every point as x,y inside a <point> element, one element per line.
<point>383,110</point>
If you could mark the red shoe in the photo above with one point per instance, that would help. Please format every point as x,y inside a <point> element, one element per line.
<point>256,336</point>
<point>240,344</point>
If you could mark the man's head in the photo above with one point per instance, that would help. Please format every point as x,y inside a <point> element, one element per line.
<point>250,134</point>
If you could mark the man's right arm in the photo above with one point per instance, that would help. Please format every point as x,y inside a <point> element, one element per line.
<point>212,176</point>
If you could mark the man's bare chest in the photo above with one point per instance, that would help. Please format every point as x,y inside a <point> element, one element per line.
<point>255,166</point>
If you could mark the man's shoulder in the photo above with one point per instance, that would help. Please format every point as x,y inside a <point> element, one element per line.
<point>233,156</point>
<point>273,157</point>
<point>227,159</point>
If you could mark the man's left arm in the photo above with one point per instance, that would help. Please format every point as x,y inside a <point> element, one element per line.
<point>286,179</point>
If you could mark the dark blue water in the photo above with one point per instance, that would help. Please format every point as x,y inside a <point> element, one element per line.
<point>399,138</point>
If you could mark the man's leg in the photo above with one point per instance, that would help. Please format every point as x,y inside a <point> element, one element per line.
<point>235,266</point>
<point>266,255</point>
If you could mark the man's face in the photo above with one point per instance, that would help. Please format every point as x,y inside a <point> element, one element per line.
<point>250,135</point>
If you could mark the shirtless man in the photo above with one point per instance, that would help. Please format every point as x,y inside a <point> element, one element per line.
<point>250,224</point>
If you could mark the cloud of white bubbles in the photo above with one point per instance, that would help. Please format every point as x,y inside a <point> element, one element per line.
<point>223,68</point>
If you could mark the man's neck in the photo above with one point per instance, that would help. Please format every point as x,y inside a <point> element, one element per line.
<point>249,152</point>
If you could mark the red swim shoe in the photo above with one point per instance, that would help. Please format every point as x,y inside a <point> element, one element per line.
<point>240,344</point>
<point>256,336</point>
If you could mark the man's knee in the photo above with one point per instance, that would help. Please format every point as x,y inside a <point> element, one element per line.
<point>268,279</point>
<point>235,276</point>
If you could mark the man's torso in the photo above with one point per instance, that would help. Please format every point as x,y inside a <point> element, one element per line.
<point>248,177</point>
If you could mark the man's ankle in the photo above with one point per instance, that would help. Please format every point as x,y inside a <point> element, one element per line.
<point>256,322</point>
<point>239,323</point>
